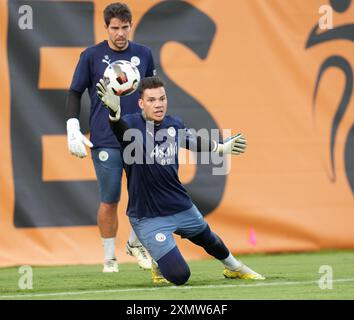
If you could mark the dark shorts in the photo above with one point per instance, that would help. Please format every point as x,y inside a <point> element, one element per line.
<point>156,234</point>
<point>108,165</point>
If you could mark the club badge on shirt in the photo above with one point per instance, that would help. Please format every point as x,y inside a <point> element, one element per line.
<point>171,131</point>
<point>160,237</point>
<point>135,60</point>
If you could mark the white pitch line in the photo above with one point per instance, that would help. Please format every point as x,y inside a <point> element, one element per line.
<point>259,284</point>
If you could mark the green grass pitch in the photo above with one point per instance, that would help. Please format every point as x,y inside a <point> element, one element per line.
<point>289,276</point>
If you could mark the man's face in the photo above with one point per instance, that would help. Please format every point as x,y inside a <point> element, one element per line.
<point>154,103</point>
<point>118,34</point>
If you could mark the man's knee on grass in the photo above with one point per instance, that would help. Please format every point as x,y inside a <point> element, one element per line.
<point>174,268</point>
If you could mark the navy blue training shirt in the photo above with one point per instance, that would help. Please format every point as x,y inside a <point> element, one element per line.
<point>89,70</point>
<point>154,187</point>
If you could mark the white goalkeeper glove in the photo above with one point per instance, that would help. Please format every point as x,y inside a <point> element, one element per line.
<point>76,140</point>
<point>110,100</point>
<point>235,144</point>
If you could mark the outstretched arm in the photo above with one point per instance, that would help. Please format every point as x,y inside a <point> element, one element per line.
<point>197,143</point>
<point>235,144</point>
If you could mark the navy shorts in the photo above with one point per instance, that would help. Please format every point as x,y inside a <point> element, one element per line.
<point>108,165</point>
<point>156,233</point>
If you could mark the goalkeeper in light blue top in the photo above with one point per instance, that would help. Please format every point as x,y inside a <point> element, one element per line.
<point>158,204</point>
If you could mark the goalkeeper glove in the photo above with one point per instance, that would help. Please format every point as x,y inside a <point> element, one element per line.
<point>235,144</point>
<point>76,140</point>
<point>110,101</point>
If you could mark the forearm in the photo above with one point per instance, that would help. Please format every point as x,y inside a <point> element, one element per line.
<point>73,104</point>
<point>201,144</point>
<point>235,144</point>
<point>119,127</point>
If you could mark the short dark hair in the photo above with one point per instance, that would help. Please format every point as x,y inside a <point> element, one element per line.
<point>117,10</point>
<point>150,83</point>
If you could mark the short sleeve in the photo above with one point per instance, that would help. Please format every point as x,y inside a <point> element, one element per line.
<point>81,78</point>
<point>151,71</point>
<point>128,120</point>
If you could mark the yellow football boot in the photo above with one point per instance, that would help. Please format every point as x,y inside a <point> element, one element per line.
<point>243,272</point>
<point>156,274</point>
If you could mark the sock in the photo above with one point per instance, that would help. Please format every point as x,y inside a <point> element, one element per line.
<point>133,239</point>
<point>231,262</point>
<point>109,247</point>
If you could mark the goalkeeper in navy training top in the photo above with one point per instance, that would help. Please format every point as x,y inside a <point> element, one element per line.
<point>105,149</point>
<point>158,203</point>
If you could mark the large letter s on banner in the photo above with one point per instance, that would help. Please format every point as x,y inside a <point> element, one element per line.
<point>181,22</point>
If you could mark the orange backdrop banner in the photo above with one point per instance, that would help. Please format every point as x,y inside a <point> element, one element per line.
<point>276,70</point>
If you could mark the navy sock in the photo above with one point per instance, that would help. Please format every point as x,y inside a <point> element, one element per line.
<point>211,243</point>
<point>173,267</point>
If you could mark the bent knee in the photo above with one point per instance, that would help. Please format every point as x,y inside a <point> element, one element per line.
<point>178,278</point>
<point>174,268</point>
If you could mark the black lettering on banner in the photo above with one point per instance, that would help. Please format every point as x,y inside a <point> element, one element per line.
<point>182,22</point>
<point>37,112</point>
<point>345,32</point>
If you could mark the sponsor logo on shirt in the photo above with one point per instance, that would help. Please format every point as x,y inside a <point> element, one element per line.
<point>106,60</point>
<point>149,132</point>
<point>165,154</point>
